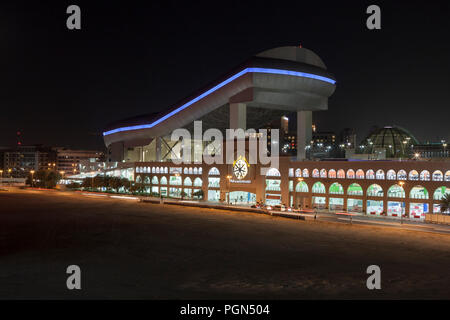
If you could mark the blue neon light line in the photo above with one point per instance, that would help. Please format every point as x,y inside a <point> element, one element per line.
<point>220,85</point>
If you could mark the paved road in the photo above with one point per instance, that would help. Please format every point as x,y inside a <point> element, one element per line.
<point>137,250</point>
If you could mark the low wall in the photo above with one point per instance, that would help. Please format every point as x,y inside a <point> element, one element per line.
<point>437,218</point>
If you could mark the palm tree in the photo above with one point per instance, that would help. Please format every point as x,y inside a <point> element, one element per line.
<point>445,203</point>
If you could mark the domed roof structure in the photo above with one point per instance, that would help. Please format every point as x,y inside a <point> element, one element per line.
<point>396,141</point>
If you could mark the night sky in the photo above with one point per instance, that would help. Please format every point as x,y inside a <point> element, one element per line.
<point>62,87</point>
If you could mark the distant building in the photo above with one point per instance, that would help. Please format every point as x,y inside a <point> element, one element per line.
<point>68,160</point>
<point>18,161</point>
<point>397,142</point>
<point>431,151</point>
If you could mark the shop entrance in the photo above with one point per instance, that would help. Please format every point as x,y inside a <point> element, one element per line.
<point>242,198</point>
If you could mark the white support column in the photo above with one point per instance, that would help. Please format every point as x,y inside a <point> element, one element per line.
<point>158,149</point>
<point>238,116</point>
<point>304,132</point>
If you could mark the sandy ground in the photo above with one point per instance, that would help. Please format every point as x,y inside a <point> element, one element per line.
<point>135,250</point>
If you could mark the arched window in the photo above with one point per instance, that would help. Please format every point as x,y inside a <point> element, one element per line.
<point>396,191</point>
<point>301,187</point>
<point>374,190</point>
<point>298,173</point>
<point>305,173</point>
<point>370,174</point>
<point>323,173</point>
<point>380,174</point>
<point>447,175</point>
<point>166,170</point>
<point>391,175</point>
<point>413,175</point>
<point>200,170</point>
<point>214,172</point>
<point>157,170</point>
<point>186,170</point>
<point>318,187</point>
<point>418,192</point>
<point>341,174</point>
<point>175,180</point>
<point>146,180</point>
<point>190,170</point>
<point>315,173</point>
<point>359,174</point>
<point>425,175</point>
<point>440,192</point>
<point>138,179</point>
<point>197,182</point>
<point>163,180</point>
<point>187,181</point>
<point>332,174</point>
<point>401,175</point>
<point>437,175</point>
<point>153,170</point>
<point>273,172</point>
<point>350,174</point>
<point>195,170</point>
<point>154,180</point>
<point>336,188</point>
<point>355,190</point>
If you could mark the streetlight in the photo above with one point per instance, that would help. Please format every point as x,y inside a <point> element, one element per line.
<point>1,172</point>
<point>9,171</point>
<point>32,179</point>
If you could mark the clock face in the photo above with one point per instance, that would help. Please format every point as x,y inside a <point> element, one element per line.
<point>240,169</point>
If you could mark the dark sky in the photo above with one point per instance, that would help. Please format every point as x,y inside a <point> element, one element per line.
<point>62,87</point>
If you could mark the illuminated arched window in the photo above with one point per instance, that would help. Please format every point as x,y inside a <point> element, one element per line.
<point>418,192</point>
<point>318,187</point>
<point>197,182</point>
<point>187,181</point>
<point>370,174</point>
<point>154,180</point>
<point>413,175</point>
<point>396,191</point>
<point>359,174</point>
<point>437,175</point>
<point>355,190</point>
<point>341,174</point>
<point>305,173</point>
<point>146,180</point>
<point>447,175</point>
<point>391,175</point>
<point>375,190</point>
<point>323,173</point>
<point>138,179</point>
<point>301,187</point>
<point>214,172</point>
<point>440,192</point>
<point>315,173</point>
<point>273,172</point>
<point>380,175</point>
<point>336,188</point>
<point>163,180</point>
<point>332,174</point>
<point>401,175</point>
<point>350,174</point>
<point>425,175</point>
<point>298,173</point>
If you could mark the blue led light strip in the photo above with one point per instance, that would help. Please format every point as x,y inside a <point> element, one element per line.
<point>220,85</point>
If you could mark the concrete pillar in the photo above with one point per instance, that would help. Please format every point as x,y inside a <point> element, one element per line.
<point>304,132</point>
<point>158,149</point>
<point>238,116</point>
